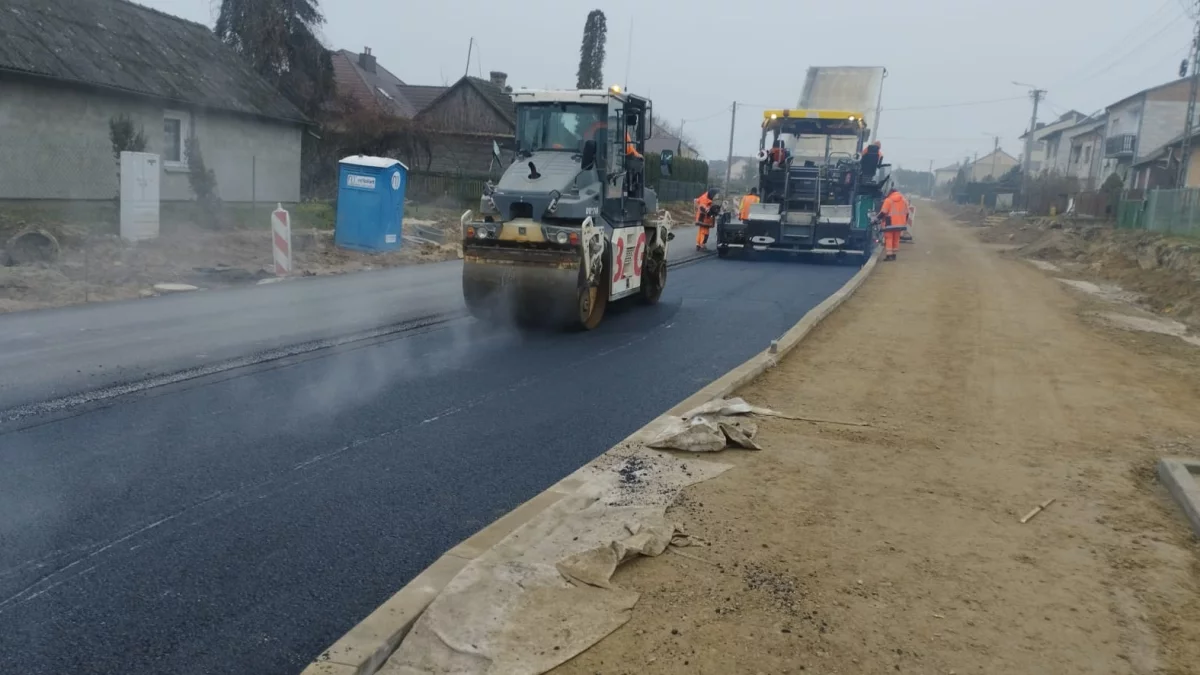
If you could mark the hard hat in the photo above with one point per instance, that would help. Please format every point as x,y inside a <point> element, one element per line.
<point>762,155</point>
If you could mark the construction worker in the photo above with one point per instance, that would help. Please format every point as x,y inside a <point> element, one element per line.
<point>706,211</point>
<point>593,134</point>
<point>778,154</point>
<point>630,148</point>
<point>893,213</point>
<point>871,159</point>
<point>747,201</point>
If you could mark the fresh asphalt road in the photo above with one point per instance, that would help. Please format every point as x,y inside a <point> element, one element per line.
<point>242,521</point>
<point>54,354</point>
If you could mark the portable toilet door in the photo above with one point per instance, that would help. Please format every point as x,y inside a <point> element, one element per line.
<point>370,203</point>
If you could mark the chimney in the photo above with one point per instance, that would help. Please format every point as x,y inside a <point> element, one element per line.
<point>499,79</point>
<point>366,60</point>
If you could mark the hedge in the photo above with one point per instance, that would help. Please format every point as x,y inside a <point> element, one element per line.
<point>683,170</point>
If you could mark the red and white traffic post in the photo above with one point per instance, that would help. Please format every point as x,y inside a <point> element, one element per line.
<point>281,236</point>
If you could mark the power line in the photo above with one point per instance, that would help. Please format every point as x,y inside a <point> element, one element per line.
<point>957,105</point>
<point>934,139</point>
<point>914,107</point>
<point>1175,56</point>
<point>1090,74</point>
<point>722,111</point>
<point>1120,43</point>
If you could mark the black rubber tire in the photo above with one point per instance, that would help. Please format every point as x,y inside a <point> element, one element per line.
<point>652,289</point>
<point>722,251</point>
<point>591,320</point>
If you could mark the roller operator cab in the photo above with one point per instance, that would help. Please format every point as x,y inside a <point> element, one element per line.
<point>817,190</point>
<point>570,225</point>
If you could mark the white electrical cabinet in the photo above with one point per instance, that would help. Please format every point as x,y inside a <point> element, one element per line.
<point>141,174</point>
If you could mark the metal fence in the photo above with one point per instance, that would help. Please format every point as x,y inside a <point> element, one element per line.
<point>424,187</point>
<point>1169,212</point>
<point>1129,214</point>
<point>444,187</point>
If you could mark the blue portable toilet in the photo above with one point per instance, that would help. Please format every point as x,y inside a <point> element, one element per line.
<point>370,206</point>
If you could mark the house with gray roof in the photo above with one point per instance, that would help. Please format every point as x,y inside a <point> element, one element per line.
<point>663,138</point>
<point>464,120</point>
<point>460,121</point>
<point>69,67</point>
<point>360,78</point>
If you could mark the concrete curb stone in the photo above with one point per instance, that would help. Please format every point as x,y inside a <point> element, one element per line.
<point>1179,476</point>
<point>367,646</point>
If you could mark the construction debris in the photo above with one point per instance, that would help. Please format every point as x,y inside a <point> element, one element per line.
<point>596,566</point>
<point>544,594</point>
<point>175,288</point>
<point>1036,510</point>
<point>31,246</point>
<point>712,427</point>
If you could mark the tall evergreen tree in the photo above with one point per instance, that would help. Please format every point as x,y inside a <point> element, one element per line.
<point>591,52</point>
<point>279,39</point>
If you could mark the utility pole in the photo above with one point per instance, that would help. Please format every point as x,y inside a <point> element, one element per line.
<point>470,46</point>
<point>679,150</point>
<point>878,108</point>
<point>729,157</point>
<point>995,156</point>
<point>932,179</point>
<point>1036,94</point>
<point>1189,122</point>
<point>628,55</point>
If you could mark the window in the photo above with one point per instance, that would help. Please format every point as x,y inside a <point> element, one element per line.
<point>560,126</point>
<point>175,133</point>
<point>1075,154</point>
<point>1087,154</point>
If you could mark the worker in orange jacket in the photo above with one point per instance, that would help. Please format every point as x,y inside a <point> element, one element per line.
<point>706,216</point>
<point>893,213</point>
<point>630,148</point>
<point>747,201</point>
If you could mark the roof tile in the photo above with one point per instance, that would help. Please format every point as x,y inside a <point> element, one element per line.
<point>124,46</point>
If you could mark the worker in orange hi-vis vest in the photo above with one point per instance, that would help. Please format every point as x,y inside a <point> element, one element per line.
<point>894,215</point>
<point>747,201</point>
<point>706,217</point>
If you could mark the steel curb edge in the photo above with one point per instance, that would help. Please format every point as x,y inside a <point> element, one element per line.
<point>368,645</point>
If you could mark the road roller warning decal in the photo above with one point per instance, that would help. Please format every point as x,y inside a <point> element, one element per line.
<point>628,248</point>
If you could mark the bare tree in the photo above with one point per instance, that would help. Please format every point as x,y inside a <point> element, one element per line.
<point>677,130</point>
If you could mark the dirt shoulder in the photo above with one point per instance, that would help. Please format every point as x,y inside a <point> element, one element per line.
<point>988,387</point>
<point>1163,271</point>
<point>72,261</point>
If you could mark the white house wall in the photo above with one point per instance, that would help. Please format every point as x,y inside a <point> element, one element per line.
<point>1087,167</point>
<point>1125,118</point>
<point>235,146</point>
<point>54,144</point>
<point>1162,122</point>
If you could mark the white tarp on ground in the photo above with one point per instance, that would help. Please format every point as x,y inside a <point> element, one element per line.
<point>512,611</point>
<point>712,427</point>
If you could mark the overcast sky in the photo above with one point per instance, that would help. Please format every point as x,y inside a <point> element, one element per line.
<point>694,57</point>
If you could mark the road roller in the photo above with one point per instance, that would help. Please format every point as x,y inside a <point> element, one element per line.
<point>570,226</point>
